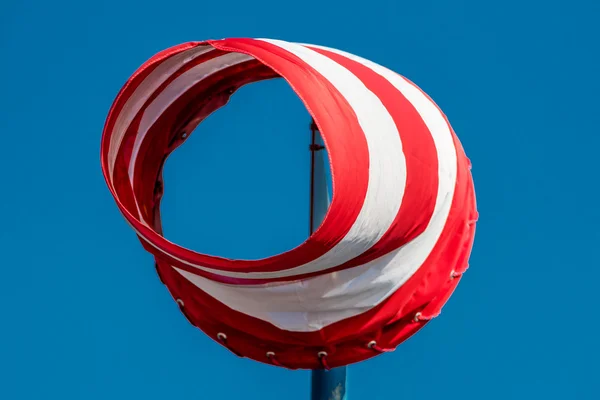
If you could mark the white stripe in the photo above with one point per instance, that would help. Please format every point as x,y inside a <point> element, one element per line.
<point>311,304</point>
<point>176,89</point>
<point>387,170</point>
<point>142,93</point>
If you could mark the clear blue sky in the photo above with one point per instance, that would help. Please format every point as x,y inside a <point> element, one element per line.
<point>83,315</point>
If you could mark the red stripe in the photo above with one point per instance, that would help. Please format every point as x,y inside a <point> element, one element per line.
<point>420,153</point>
<point>347,147</point>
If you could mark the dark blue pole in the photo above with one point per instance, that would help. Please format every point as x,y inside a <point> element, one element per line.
<point>332,384</point>
<point>329,385</point>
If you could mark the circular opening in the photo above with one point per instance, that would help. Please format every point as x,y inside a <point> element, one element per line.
<point>240,185</point>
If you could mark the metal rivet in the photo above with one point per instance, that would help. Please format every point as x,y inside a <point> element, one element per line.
<point>417,316</point>
<point>180,302</point>
<point>221,336</point>
<point>454,274</point>
<point>322,354</point>
<point>270,354</point>
<point>372,344</point>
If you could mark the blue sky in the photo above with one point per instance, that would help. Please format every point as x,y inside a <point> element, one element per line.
<point>83,314</point>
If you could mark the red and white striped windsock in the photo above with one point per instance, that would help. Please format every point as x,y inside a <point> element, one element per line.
<point>392,246</point>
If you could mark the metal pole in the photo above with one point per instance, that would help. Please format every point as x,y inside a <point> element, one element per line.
<point>332,384</point>
<point>329,385</point>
